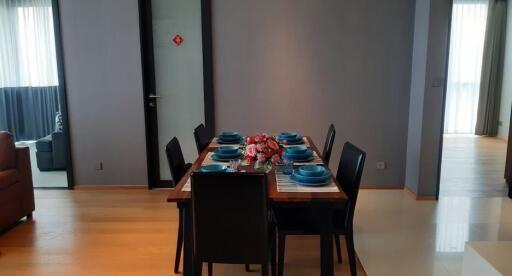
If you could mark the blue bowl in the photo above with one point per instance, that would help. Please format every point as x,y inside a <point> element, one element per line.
<point>230,135</point>
<point>228,155</point>
<point>304,155</point>
<point>297,150</point>
<point>228,150</point>
<point>213,168</point>
<point>225,158</point>
<point>311,179</point>
<point>295,141</point>
<point>288,135</point>
<point>311,170</point>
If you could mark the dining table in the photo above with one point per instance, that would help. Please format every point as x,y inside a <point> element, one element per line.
<point>326,201</point>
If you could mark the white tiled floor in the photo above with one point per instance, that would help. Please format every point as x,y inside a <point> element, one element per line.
<point>396,235</point>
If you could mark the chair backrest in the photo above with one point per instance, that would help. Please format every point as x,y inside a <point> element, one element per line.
<point>175,159</point>
<point>329,142</point>
<point>202,138</point>
<point>230,217</point>
<point>349,175</point>
<point>7,151</point>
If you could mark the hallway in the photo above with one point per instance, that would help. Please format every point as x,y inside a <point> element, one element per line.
<point>473,166</point>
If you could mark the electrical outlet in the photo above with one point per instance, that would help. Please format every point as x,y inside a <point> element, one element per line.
<point>99,166</point>
<point>381,165</point>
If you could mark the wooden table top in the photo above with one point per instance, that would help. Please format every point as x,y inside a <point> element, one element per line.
<point>177,195</point>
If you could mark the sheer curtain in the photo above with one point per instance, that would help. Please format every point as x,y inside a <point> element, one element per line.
<point>27,44</point>
<point>464,66</point>
<point>29,82</point>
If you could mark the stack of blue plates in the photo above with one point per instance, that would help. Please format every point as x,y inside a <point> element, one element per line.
<point>298,154</point>
<point>229,138</point>
<point>227,153</point>
<point>311,175</point>
<point>290,138</point>
<point>213,168</point>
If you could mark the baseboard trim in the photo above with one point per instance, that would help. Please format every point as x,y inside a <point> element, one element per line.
<point>418,197</point>
<point>381,187</point>
<point>109,187</point>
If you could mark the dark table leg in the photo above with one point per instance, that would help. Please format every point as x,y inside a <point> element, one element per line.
<point>188,240</point>
<point>326,240</point>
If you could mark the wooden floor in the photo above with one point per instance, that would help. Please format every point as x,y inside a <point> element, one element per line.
<point>117,232</point>
<point>473,166</point>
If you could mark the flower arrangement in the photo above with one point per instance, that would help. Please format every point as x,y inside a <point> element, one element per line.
<point>263,148</point>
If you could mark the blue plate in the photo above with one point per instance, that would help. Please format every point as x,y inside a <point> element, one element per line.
<point>301,180</point>
<point>297,149</point>
<point>288,135</point>
<point>300,158</point>
<point>226,138</point>
<point>230,134</point>
<point>217,157</point>
<point>311,170</point>
<point>297,141</point>
<point>229,142</point>
<point>213,168</point>
<point>228,150</point>
<point>228,155</point>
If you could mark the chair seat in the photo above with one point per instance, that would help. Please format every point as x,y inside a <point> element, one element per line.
<point>8,178</point>
<point>44,144</point>
<point>304,220</point>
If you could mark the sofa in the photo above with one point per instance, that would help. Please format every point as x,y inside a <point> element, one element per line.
<point>51,152</point>
<point>16,189</point>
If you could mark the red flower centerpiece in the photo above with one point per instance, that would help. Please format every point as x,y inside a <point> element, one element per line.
<point>264,149</point>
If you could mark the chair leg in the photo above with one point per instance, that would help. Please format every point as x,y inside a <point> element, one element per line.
<point>179,243</point>
<point>280,255</point>
<point>264,269</point>
<point>338,248</point>
<point>273,254</point>
<point>247,268</point>
<point>210,269</point>
<point>351,252</point>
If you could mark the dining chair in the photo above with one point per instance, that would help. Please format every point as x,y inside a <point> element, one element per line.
<point>202,138</point>
<point>231,220</point>
<point>178,169</point>
<point>329,142</point>
<point>295,221</point>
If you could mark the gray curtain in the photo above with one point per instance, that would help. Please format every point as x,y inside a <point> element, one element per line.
<point>28,112</point>
<point>492,69</point>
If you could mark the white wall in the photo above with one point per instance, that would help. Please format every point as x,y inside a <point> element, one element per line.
<point>104,87</point>
<point>302,64</point>
<point>506,92</point>
<point>426,122</point>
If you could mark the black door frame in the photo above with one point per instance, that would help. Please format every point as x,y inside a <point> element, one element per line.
<point>149,87</point>
<point>62,90</point>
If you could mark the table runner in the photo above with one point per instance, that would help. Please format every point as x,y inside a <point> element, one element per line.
<point>286,185</point>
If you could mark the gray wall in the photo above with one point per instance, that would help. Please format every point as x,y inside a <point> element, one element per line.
<point>301,64</point>
<point>104,87</point>
<point>423,165</point>
<point>506,92</point>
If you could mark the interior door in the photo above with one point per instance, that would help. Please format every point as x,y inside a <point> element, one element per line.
<point>174,79</point>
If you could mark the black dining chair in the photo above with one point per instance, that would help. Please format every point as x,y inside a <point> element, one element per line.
<point>329,142</point>
<point>202,138</point>
<point>178,169</point>
<point>295,221</point>
<point>231,220</point>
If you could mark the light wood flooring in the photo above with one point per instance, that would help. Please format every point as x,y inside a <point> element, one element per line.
<point>118,232</point>
<point>473,166</point>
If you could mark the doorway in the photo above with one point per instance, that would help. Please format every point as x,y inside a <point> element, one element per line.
<point>474,165</point>
<point>32,88</point>
<point>177,79</point>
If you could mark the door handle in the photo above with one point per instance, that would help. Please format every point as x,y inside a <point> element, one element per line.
<point>153,96</point>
